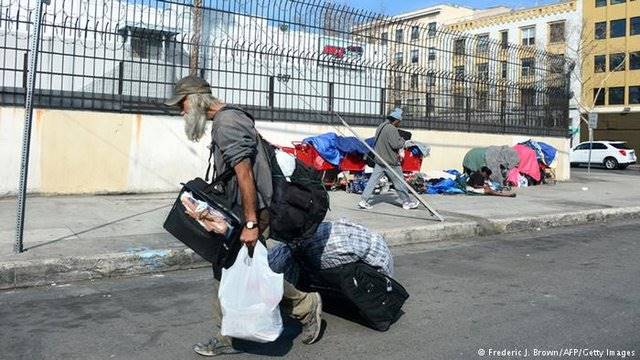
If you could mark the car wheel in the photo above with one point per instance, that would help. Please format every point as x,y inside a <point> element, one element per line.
<point>623,166</point>
<point>610,163</point>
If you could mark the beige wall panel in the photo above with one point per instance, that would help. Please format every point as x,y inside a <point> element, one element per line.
<point>85,152</point>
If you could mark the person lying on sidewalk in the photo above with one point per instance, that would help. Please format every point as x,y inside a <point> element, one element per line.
<point>478,183</point>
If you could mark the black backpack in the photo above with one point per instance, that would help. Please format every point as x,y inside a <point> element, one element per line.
<point>298,205</point>
<point>377,298</point>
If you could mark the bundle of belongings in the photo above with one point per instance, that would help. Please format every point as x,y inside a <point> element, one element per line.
<point>521,165</point>
<point>350,266</point>
<point>348,153</point>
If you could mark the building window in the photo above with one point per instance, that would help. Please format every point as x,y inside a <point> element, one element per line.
<point>482,45</point>
<point>634,94</point>
<point>556,32</point>
<point>459,72</point>
<point>504,39</point>
<point>556,63</point>
<point>459,47</point>
<point>601,3</point>
<point>601,30</point>
<point>399,35</point>
<point>598,97</point>
<point>412,108</point>
<point>414,81</point>
<point>397,82</point>
<point>616,95</point>
<point>415,33</point>
<point>482,99</point>
<point>527,97</point>
<point>529,36</point>
<point>483,71</point>
<point>384,39</point>
<point>431,78</point>
<point>504,67</point>
<point>399,57</point>
<point>634,27</point>
<point>615,2</point>
<point>432,53</point>
<point>618,28</point>
<point>458,102</point>
<point>600,63</point>
<point>431,105</point>
<point>431,29</point>
<point>528,67</point>
<point>414,56</point>
<point>616,62</point>
<point>146,47</point>
<point>634,60</point>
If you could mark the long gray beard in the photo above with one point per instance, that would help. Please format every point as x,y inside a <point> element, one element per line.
<point>195,124</point>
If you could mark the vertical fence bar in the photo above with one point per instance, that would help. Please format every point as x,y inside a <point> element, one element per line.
<point>271,96</point>
<point>26,138</point>
<point>25,69</point>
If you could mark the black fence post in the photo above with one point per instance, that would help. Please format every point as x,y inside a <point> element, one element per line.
<point>503,115</point>
<point>428,110</point>
<point>331,98</point>
<point>120,77</point>
<point>383,96</point>
<point>25,67</point>
<point>467,112</point>
<point>271,96</point>
<point>121,84</point>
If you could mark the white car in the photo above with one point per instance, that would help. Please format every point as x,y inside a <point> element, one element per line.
<point>611,154</point>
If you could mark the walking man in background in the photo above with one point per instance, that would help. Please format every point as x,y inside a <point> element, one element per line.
<point>387,145</point>
<point>236,144</point>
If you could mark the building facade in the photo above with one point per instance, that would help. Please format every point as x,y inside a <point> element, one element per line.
<point>611,70</point>
<point>554,29</point>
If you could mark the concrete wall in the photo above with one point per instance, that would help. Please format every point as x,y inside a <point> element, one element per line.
<point>89,152</point>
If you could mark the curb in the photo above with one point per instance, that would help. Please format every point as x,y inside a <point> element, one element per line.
<point>19,274</point>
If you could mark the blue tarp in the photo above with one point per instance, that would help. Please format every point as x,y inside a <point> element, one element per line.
<point>548,151</point>
<point>445,186</point>
<point>325,144</point>
<point>545,153</point>
<point>333,148</point>
<point>350,145</point>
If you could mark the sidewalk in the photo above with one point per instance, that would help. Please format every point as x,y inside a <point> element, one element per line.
<point>71,238</point>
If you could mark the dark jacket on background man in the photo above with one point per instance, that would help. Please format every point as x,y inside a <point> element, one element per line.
<point>388,143</point>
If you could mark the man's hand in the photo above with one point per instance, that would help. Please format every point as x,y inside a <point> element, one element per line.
<point>249,237</point>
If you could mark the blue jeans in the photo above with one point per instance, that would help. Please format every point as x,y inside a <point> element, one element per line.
<point>378,172</point>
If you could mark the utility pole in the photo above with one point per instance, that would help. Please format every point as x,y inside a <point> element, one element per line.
<point>28,119</point>
<point>196,38</point>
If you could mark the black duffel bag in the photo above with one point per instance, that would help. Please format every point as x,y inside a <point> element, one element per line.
<point>219,250</point>
<point>377,298</point>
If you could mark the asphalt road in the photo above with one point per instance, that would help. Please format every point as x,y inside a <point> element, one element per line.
<point>574,288</point>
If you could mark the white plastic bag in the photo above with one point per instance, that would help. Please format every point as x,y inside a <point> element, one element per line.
<point>249,296</point>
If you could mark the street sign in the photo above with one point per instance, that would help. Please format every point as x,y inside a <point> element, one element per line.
<point>593,120</point>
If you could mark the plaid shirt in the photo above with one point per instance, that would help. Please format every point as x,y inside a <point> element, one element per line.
<point>340,242</point>
<point>335,243</point>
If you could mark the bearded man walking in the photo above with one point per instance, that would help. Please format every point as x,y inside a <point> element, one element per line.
<point>236,144</point>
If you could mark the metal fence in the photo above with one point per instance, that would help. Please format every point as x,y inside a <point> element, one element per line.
<point>291,60</point>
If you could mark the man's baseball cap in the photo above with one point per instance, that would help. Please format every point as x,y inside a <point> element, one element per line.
<point>187,86</point>
<point>396,114</point>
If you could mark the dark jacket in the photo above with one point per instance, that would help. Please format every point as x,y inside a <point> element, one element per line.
<point>235,138</point>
